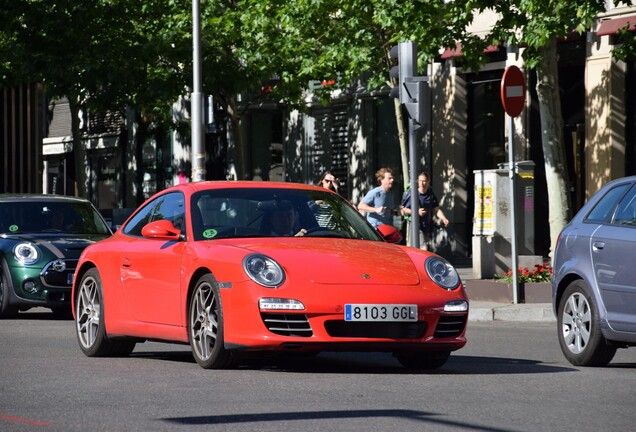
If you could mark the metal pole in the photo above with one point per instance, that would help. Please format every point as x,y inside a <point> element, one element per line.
<point>513,211</point>
<point>415,195</point>
<point>198,151</point>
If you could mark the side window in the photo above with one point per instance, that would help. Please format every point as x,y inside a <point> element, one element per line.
<point>134,226</point>
<point>173,209</point>
<point>169,207</point>
<point>626,211</point>
<point>604,208</point>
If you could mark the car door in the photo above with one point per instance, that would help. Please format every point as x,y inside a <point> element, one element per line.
<point>151,268</point>
<point>613,247</point>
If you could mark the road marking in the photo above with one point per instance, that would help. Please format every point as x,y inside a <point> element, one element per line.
<point>23,420</point>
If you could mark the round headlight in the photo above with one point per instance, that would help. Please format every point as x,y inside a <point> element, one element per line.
<point>263,270</point>
<point>442,273</point>
<point>25,253</point>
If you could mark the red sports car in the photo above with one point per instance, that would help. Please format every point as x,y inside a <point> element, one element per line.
<point>238,267</point>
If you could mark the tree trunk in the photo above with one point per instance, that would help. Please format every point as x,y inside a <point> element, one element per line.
<point>79,152</point>
<point>556,172</point>
<point>403,139</point>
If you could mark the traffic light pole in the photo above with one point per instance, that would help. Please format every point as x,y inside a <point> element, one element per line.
<point>414,93</point>
<point>415,201</point>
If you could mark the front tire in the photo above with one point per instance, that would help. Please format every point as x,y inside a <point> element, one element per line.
<point>89,322</point>
<point>579,327</point>
<point>6,310</point>
<point>205,317</point>
<point>423,360</point>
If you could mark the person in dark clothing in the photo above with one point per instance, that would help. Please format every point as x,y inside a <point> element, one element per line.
<point>428,209</point>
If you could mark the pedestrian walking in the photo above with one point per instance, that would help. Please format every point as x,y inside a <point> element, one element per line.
<point>378,203</point>
<point>428,209</point>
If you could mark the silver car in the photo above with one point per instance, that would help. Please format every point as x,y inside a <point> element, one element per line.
<point>594,281</point>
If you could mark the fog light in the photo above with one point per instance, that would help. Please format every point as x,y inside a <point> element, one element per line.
<point>456,306</point>
<point>280,304</point>
<point>30,287</point>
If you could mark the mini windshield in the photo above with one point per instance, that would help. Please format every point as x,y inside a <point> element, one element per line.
<point>42,217</point>
<point>227,213</point>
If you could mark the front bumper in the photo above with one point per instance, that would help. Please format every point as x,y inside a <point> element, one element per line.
<point>321,326</point>
<point>47,286</point>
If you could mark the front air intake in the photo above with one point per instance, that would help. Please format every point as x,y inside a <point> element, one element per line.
<point>287,324</point>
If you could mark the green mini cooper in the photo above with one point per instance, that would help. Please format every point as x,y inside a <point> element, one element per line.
<point>41,239</point>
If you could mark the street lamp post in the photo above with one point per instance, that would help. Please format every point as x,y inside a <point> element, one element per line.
<point>198,151</point>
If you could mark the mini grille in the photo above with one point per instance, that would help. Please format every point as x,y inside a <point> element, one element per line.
<point>287,324</point>
<point>375,330</point>
<point>52,278</point>
<point>450,326</point>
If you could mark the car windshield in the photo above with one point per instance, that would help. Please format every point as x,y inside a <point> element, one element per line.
<point>41,217</point>
<point>237,212</point>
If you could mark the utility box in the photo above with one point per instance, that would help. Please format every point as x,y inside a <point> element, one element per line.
<point>492,221</point>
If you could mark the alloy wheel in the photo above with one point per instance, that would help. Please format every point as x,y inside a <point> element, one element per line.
<point>88,312</point>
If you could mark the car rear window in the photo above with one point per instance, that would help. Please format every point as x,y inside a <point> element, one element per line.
<point>604,208</point>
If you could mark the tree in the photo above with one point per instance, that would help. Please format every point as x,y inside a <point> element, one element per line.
<point>339,40</point>
<point>536,25</point>
<point>100,55</point>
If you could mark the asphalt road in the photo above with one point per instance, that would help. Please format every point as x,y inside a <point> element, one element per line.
<point>511,376</point>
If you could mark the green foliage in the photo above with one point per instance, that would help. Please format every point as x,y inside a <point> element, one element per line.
<point>111,53</point>
<point>533,24</point>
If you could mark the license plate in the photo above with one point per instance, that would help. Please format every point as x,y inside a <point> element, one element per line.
<point>380,312</point>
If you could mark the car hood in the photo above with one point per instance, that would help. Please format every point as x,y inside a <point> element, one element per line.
<point>340,261</point>
<point>62,246</point>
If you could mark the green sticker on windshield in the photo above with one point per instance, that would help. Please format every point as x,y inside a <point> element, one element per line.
<point>210,233</point>
<point>13,228</point>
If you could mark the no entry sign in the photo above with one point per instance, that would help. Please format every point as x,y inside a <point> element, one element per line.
<point>513,91</point>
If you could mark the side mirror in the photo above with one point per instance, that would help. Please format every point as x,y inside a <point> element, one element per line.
<point>390,233</point>
<point>162,230</point>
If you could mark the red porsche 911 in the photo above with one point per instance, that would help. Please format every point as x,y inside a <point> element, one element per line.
<point>248,267</point>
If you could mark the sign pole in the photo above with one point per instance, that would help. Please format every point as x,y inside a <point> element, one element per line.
<point>513,99</point>
<point>513,211</point>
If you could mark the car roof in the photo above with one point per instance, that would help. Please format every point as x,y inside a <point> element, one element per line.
<point>15,197</point>
<point>193,187</point>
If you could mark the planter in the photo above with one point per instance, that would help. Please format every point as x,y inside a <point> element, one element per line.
<point>501,292</point>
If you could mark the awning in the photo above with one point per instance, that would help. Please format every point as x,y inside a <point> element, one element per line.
<point>457,51</point>
<point>611,26</point>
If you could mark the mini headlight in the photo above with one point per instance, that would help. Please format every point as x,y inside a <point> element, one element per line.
<point>263,270</point>
<point>442,272</point>
<point>25,253</point>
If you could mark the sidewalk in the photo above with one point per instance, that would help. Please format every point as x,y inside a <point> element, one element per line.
<point>493,311</point>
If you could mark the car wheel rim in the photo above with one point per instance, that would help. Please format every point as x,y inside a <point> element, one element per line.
<point>88,312</point>
<point>204,323</point>
<point>577,323</point>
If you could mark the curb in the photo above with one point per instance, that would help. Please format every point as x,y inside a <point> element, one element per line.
<point>531,312</point>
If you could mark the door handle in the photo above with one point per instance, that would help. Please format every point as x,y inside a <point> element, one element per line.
<point>598,245</point>
<point>126,263</point>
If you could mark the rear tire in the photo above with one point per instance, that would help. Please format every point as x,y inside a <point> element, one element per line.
<point>579,326</point>
<point>62,312</point>
<point>423,360</point>
<point>89,324</point>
